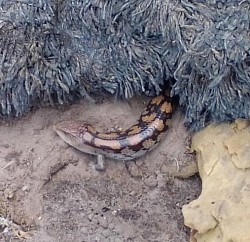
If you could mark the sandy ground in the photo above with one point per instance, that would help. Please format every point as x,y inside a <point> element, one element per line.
<point>52,190</point>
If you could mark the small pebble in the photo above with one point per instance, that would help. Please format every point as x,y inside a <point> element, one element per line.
<point>8,194</point>
<point>91,216</point>
<point>111,226</point>
<point>103,222</point>
<point>151,181</point>
<point>25,188</point>
<point>106,233</point>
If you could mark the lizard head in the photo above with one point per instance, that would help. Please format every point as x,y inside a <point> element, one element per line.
<point>77,134</point>
<point>71,131</point>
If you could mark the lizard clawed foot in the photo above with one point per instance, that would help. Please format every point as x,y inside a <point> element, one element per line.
<point>99,165</point>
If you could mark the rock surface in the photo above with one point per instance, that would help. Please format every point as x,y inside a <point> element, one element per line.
<point>222,212</point>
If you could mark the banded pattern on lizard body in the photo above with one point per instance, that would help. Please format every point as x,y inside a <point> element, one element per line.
<point>134,142</point>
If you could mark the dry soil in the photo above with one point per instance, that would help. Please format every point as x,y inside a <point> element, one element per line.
<point>52,191</point>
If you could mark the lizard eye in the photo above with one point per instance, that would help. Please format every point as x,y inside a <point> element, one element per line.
<point>83,129</point>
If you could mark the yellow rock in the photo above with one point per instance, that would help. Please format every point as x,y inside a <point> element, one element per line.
<point>222,212</point>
